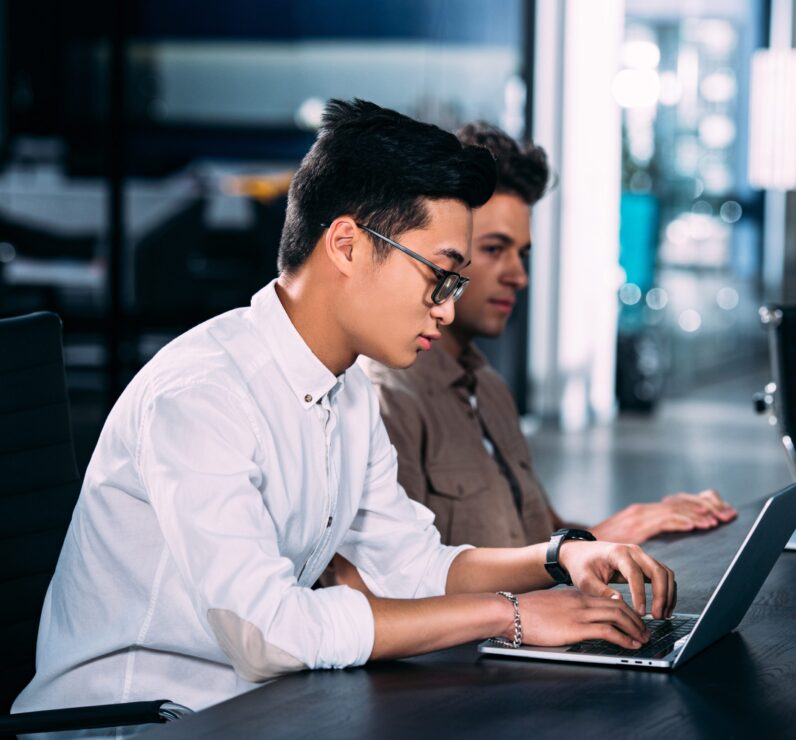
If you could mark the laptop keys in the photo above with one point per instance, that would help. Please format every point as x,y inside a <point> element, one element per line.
<point>664,633</point>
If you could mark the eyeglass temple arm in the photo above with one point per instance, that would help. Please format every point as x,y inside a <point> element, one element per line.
<point>438,270</point>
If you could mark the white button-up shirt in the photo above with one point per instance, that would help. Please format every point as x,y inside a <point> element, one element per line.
<point>228,474</point>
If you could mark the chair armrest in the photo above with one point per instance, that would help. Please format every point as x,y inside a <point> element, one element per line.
<point>85,718</point>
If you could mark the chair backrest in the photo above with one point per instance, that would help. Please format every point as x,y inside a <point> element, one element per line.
<point>39,485</point>
<point>781,324</point>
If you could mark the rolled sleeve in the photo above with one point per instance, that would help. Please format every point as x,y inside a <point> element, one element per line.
<point>198,460</point>
<point>350,625</point>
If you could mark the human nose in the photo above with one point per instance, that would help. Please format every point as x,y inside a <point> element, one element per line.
<point>444,312</point>
<point>516,275</point>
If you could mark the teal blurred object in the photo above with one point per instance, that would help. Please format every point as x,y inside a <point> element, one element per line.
<point>639,215</point>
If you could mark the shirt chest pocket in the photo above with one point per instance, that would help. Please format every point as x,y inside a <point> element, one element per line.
<point>456,482</point>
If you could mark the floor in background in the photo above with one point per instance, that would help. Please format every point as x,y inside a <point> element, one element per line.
<point>711,439</point>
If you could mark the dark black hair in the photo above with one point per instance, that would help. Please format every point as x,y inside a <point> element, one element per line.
<point>379,167</point>
<point>523,171</point>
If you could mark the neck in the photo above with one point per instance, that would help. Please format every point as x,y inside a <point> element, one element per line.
<point>311,312</point>
<point>454,341</point>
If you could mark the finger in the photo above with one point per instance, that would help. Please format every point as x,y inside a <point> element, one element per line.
<point>705,503</point>
<point>712,495</point>
<point>705,521</point>
<point>634,576</point>
<point>686,503</point>
<point>659,577</point>
<point>674,597</point>
<point>702,516</point>
<point>612,634</point>
<point>624,619</point>
<point>719,505</point>
<point>727,515</point>
<point>677,523</point>
<point>593,586</point>
<point>726,512</point>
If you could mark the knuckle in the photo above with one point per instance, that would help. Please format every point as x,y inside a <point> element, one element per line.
<point>605,631</point>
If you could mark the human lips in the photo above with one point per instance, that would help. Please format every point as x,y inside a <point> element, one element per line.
<point>504,305</point>
<point>427,339</point>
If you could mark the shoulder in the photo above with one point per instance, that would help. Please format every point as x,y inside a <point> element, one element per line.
<point>492,383</point>
<point>203,363</point>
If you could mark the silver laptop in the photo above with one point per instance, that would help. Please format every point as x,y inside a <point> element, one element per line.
<point>678,639</point>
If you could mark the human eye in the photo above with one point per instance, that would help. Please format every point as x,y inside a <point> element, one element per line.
<point>493,250</point>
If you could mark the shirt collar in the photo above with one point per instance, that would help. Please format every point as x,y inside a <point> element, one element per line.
<point>437,366</point>
<point>309,379</point>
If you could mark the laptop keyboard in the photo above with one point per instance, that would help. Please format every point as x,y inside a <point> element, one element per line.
<point>663,634</point>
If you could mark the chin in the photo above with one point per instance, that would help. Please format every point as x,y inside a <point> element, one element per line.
<point>395,360</point>
<point>491,331</point>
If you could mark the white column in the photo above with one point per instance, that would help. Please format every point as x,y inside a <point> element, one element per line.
<point>576,228</point>
<point>779,224</point>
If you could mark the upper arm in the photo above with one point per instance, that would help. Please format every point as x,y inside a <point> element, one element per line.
<point>200,461</point>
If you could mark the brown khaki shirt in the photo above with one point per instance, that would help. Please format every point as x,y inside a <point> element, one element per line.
<point>442,460</point>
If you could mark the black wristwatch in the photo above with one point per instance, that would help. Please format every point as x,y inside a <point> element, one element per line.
<point>552,566</point>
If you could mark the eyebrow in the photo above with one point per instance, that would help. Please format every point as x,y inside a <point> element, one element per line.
<point>501,237</point>
<point>454,254</point>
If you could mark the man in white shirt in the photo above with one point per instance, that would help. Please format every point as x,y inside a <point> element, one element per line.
<point>251,449</point>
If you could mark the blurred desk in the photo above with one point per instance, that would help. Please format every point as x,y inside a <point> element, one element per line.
<point>743,686</point>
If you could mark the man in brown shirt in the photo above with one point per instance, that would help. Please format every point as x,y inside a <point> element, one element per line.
<point>451,417</point>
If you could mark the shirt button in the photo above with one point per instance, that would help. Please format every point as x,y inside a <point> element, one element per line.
<point>308,398</point>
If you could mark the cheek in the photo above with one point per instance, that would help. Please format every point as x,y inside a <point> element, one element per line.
<point>404,292</point>
<point>388,309</point>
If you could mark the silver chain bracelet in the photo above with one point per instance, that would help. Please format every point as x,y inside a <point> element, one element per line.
<point>502,641</point>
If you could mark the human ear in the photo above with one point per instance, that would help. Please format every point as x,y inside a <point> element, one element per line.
<point>338,244</point>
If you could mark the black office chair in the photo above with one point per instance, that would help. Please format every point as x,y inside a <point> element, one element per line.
<point>778,398</point>
<point>39,485</point>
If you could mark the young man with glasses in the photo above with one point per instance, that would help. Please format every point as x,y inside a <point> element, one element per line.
<point>251,449</point>
<point>451,417</point>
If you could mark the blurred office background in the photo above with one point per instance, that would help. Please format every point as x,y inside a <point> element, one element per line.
<point>146,148</point>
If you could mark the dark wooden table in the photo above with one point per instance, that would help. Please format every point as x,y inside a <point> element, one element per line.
<point>743,686</point>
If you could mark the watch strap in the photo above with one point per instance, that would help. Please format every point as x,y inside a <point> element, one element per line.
<point>552,565</point>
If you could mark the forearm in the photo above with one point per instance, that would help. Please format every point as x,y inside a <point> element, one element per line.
<point>405,627</point>
<point>483,569</point>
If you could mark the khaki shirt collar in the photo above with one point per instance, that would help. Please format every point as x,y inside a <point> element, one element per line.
<point>438,367</point>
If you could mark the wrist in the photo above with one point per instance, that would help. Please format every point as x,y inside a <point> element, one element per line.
<point>558,557</point>
<point>502,618</point>
<point>511,637</point>
<point>568,551</point>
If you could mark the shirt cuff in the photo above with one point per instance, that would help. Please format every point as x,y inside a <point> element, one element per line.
<point>436,577</point>
<point>350,626</point>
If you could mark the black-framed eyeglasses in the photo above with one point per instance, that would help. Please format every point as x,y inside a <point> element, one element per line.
<point>449,284</point>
